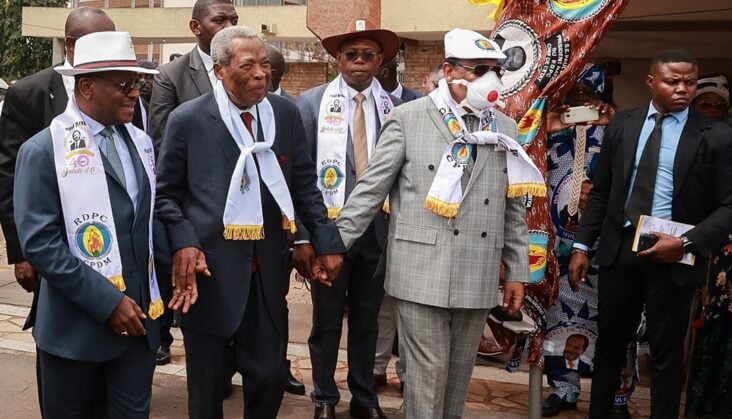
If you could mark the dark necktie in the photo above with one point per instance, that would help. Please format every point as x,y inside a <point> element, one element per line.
<point>113,155</point>
<point>641,199</point>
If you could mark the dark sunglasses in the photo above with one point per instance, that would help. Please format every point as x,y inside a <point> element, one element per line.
<point>126,86</point>
<point>708,105</point>
<point>481,69</point>
<point>366,55</point>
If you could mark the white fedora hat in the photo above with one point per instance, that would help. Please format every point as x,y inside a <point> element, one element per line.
<point>104,51</point>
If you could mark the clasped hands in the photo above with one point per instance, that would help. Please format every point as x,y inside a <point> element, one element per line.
<point>187,263</point>
<point>323,268</point>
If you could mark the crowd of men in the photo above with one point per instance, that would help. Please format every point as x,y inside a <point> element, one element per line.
<point>123,201</point>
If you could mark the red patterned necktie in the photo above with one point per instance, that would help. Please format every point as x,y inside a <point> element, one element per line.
<point>247,118</point>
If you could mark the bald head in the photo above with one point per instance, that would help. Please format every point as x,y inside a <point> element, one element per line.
<point>279,67</point>
<point>83,21</point>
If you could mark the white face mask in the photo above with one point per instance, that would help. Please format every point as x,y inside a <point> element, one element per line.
<point>483,93</point>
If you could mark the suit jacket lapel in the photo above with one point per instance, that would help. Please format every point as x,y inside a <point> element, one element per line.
<point>440,124</point>
<point>198,73</point>
<point>221,133</point>
<point>630,136</point>
<point>691,136</point>
<point>140,175</point>
<point>57,95</point>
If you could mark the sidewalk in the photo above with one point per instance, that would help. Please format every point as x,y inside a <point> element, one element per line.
<point>494,393</point>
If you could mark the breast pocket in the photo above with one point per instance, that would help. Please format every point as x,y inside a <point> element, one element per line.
<point>416,234</point>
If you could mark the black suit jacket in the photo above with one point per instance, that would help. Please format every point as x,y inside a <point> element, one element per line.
<point>409,94</point>
<point>702,193</point>
<point>178,81</point>
<point>30,105</point>
<point>196,163</point>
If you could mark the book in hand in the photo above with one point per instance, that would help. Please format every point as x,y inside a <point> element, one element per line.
<point>643,240</point>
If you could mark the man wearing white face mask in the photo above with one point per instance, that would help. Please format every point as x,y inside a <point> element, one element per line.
<point>455,190</point>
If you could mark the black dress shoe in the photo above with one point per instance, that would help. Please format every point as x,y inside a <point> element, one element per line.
<point>293,386</point>
<point>554,404</point>
<point>162,356</point>
<point>360,412</point>
<point>324,411</point>
<point>620,411</point>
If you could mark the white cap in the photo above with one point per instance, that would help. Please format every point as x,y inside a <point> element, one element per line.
<point>104,51</point>
<point>717,84</point>
<point>467,44</point>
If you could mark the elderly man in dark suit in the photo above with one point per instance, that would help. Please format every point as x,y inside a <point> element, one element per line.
<point>191,75</point>
<point>342,123</point>
<point>84,220</point>
<point>227,222</point>
<point>670,162</point>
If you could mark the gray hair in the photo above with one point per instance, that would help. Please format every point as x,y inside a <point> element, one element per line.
<point>220,52</point>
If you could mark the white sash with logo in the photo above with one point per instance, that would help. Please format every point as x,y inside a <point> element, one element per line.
<point>82,184</point>
<point>333,119</point>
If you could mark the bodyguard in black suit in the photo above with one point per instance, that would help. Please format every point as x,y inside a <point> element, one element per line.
<point>244,298</point>
<point>679,169</point>
<point>190,75</point>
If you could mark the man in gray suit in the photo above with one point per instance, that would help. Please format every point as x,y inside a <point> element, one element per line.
<point>445,246</point>
<point>341,133</point>
<point>191,75</point>
<point>88,234</point>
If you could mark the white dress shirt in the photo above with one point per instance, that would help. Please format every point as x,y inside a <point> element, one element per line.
<point>208,65</point>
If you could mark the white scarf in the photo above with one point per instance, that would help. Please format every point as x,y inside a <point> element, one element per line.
<point>333,120</point>
<point>446,193</point>
<point>87,211</point>
<point>243,219</point>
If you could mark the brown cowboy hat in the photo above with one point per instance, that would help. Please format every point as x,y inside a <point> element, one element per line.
<point>365,28</point>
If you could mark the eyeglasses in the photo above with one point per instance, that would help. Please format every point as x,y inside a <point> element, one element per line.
<point>126,86</point>
<point>365,55</point>
<point>708,105</point>
<point>481,69</point>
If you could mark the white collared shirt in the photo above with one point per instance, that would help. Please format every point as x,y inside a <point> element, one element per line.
<point>278,92</point>
<point>68,81</point>
<point>208,64</point>
<point>133,189</point>
<point>398,91</point>
<point>369,110</point>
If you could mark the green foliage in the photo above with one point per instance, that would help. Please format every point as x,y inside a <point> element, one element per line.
<point>21,56</point>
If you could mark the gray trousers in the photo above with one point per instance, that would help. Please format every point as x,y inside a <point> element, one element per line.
<point>385,341</point>
<point>439,346</point>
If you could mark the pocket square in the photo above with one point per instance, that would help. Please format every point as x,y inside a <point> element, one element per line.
<point>283,158</point>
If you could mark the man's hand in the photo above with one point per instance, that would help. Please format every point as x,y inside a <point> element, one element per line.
<point>127,317</point>
<point>26,276</point>
<point>579,264</point>
<point>187,263</point>
<point>326,268</point>
<point>668,249</point>
<point>303,256</point>
<point>513,297</point>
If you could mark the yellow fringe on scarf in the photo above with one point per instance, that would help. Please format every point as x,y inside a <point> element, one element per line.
<point>333,213</point>
<point>243,232</point>
<point>441,208</point>
<point>118,282</point>
<point>521,189</point>
<point>156,309</point>
<point>289,225</point>
<point>386,207</point>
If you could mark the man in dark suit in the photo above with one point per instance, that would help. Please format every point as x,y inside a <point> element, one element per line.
<point>88,234</point>
<point>247,256</point>
<point>387,76</point>
<point>667,161</point>
<point>327,109</point>
<point>191,75</point>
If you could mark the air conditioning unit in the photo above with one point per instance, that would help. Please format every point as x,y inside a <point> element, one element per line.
<point>267,28</point>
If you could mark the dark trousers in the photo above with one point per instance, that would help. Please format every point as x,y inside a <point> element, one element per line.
<point>69,386</point>
<point>166,293</point>
<point>623,289</point>
<point>258,353</point>
<point>364,293</point>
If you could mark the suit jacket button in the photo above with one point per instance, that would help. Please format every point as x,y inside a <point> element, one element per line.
<point>455,232</point>
<point>431,167</point>
<point>505,170</point>
<point>487,201</point>
<point>484,234</point>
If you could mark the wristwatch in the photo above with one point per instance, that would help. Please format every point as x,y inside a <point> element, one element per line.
<point>687,244</point>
